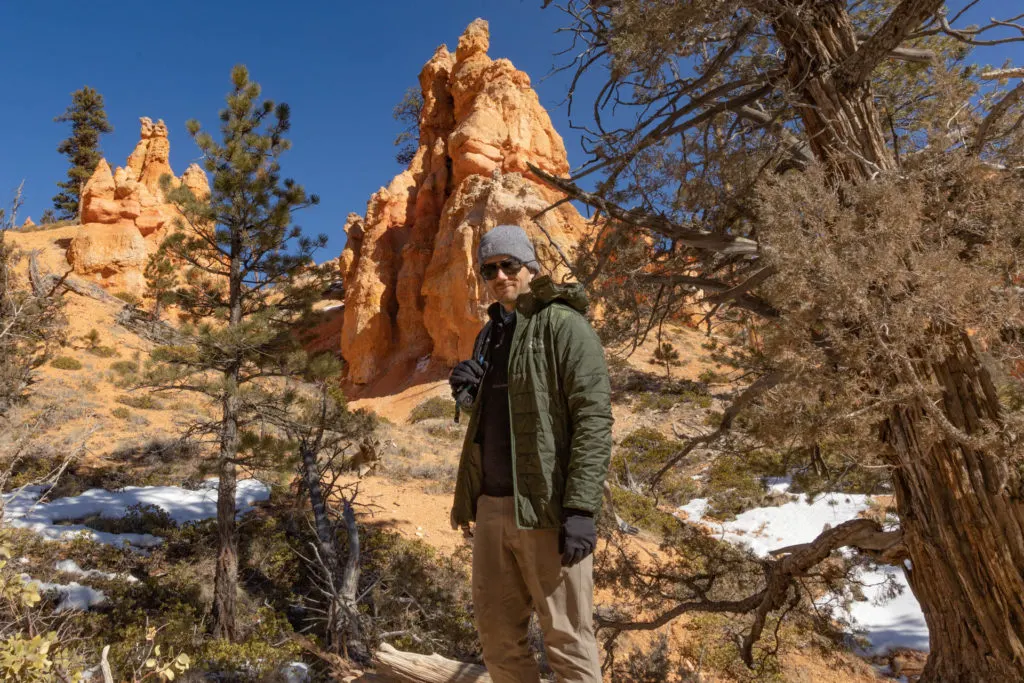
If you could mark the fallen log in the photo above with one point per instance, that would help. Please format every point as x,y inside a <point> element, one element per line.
<point>409,667</point>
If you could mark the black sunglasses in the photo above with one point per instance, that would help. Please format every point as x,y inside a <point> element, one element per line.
<point>510,267</point>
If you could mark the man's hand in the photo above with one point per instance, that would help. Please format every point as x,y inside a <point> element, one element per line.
<point>578,536</point>
<point>466,375</point>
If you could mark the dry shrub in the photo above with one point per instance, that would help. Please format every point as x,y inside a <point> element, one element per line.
<point>876,279</point>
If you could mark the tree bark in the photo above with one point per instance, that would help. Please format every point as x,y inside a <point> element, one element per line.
<point>961,505</point>
<point>962,514</point>
<point>225,586</point>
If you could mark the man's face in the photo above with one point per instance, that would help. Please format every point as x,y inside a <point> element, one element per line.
<point>506,288</point>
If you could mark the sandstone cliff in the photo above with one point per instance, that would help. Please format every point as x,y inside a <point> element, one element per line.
<point>124,212</point>
<point>411,284</point>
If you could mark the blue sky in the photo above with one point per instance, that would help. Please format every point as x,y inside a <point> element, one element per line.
<point>341,66</point>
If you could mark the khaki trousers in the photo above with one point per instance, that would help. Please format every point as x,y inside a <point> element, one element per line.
<point>516,571</point>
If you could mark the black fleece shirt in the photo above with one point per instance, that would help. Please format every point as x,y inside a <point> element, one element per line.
<point>495,432</point>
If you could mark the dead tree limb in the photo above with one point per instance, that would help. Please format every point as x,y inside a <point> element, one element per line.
<point>781,576</point>
<point>999,109</point>
<point>415,668</point>
<point>691,237</point>
<point>340,581</point>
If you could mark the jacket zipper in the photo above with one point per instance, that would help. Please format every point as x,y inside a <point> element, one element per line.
<point>511,425</point>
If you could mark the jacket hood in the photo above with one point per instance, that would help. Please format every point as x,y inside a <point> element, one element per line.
<point>544,291</point>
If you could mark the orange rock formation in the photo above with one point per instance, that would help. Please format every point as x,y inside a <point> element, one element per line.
<point>124,212</point>
<point>411,284</point>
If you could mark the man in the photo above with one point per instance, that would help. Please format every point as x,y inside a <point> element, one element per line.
<point>533,464</point>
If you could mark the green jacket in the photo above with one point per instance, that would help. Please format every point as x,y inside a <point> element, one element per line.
<point>560,400</point>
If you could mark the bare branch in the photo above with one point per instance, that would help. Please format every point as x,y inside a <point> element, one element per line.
<point>698,239</point>
<point>997,112</point>
<point>999,74</point>
<point>748,302</point>
<point>780,576</point>
<point>749,395</point>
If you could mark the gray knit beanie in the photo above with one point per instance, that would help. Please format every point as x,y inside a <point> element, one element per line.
<point>508,240</point>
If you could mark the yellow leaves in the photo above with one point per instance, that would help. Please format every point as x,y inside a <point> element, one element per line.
<point>164,670</point>
<point>27,660</point>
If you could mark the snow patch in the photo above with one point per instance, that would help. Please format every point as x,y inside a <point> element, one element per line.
<point>23,510</point>
<point>73,596</point>
<point>295,672</point>
<point>71,567</point>
<point>422,364</point>
<point>887,622</point>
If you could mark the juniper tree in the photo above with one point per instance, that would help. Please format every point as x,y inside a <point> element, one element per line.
<point>88,121</point>
<point>835,176</point>
<point>31,318</point>
<point>249,279</point>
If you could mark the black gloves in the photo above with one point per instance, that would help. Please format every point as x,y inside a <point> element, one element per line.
<point>464,380</point>
<point>578,536</point>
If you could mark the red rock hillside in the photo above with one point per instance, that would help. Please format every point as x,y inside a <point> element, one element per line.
<point>411,285</point>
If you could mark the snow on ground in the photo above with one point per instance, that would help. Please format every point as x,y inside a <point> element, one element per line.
<point>71,567</point>
<point>22,509</point>
<point>887,624</point>
<point>73,596</point>
<point>295,672</point>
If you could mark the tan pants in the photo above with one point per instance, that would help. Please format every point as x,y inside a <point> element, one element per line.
<point>516,570</point>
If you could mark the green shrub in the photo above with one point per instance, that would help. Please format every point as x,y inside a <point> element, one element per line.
<point>125,368</point>
<point>710,376</point>
<point>732,486</point>
<point>92,338</point>
<point>654,402</point>
<point>140,401</point>
<point>129,298</point>
<point>643,453</point>
<point>449,432</point>
<point>265,649</point>
<point>399,572</point>
<point>103,351</point>
<point>641,511</point>
<point>121,413</point>
<point>138,519</point>
<point>660,401</point>
<point>66,363</point>
<point>434,408</point>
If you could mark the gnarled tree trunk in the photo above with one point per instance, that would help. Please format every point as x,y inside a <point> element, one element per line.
<point>961,506</point>
<point>962,514</point>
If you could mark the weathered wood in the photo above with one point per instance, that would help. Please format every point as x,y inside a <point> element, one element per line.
<point>143,325</point>
<point>961,512</point>
<point>409,667</point>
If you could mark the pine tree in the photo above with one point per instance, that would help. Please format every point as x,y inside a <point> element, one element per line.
<point>88,121</point>
<point>161,279</point>
<point>249,280</point>
<point>407,112</point>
